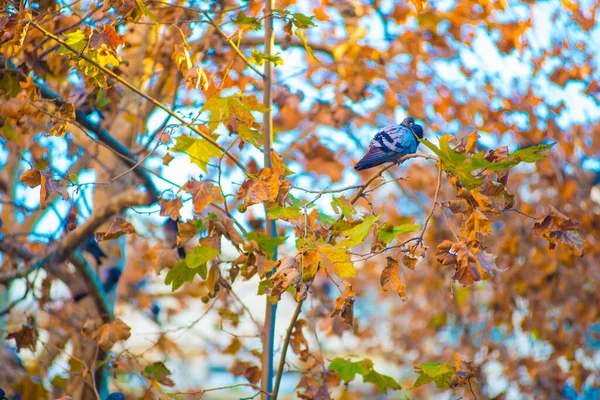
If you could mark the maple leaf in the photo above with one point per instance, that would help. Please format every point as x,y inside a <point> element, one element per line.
<point>358,233</point>
<point>170,208</point>
<point>478,223</point>
<point>470,264</point>
<point>117,228</point>
<point>558,228</point>
<point>344,304</point>
<point>203,193</point>
<point>198,149</point>
<point>111,333</point>
<point>34,178</point>
<point>391,279</point>
<point>348,370</point>
<point>159,373</point>
<point>246,369</point>
<point>440,374</point>
<point>181,274</point>
<point>337,259</point>
<point>263,188</point>
<point>27,335</point>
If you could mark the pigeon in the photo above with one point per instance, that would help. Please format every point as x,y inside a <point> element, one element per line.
<point>391,143</point>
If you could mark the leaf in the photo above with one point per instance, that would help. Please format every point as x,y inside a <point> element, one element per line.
<point>263,188</point>
<point>267,244</point>
<point>146,11</point>
<point>558,228</point>
<point>309,51</point>
<point>391,279</point>
<point>198,149</point>
<point>440,374</point>
<point>260,58</point>
<point>478,223</point>
<point>419,4</point>
<point>111,333</point>
<point>341,203</point>
<point>251,22</point>
<point>303,21</point>
<point>31,178</point>
<point>387,233</point>
<point>337,259</point>
<point>78,40</point>
<point>203,193</point>
<point>244,368</point>
<point>117,228</point>
<point>27,335</point>
<point>471,142</point>
<point>9,84</point>
<point>344,304</point>
<point>347,370</point>
<point>159,373</point>
<point>470,264</point>
<point>180,274</point>
<point>198,258</point>
<point>287,273</point>
<point>170,208</point>
<point>284,213</point>
<point>358,233</point>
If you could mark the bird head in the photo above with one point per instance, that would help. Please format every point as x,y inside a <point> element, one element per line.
<point>415,128</point>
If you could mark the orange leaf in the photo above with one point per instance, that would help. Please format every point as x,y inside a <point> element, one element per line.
<point>391,279</point>
<point>170,208</point>
<point>118,228</point>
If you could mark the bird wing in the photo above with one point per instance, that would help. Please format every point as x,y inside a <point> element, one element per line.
<point>375,156</point>
<point>396,138</point>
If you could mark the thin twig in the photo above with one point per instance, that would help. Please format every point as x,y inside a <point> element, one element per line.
<point>233,46</point>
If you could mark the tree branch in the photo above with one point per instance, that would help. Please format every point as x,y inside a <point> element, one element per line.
<point>151,99</point>
<point>70,242</point>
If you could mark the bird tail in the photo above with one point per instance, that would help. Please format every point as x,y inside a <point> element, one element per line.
<point>374,157</point>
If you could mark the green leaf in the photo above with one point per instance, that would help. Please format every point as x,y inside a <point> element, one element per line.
<point>388,232</point>
<point>243,19</point>
<point>77,40</point>
<point>180,274</point>
<point>440,374</point>
<point>285,213</point>
<point>199,150</point>
<point>260,58</point>
<point>347,370</point>
<point>199,257</point>
<point>341,203</point>
<point>228,314</point>
<point>303,21</point>
<point>266,244</point>
<point>146,11</point>
<point>358,233</point>
<point>305,44</point>
<point>383,382</point>
<point>73,178</point>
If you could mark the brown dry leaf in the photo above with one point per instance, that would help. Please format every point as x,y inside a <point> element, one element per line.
<point>26,336</point>
<point>118,228</point>
<point>492,197</point>
<point>264,188</point>
<point>344,305</point>
<point>321,160</point>
<point>287,274</point>
<point>464,369</point>
<point>391,279</point>
<point>167,158</point>
<point>471,142</point>
<point>185,231</point>
<point>297,340</point>
<point>31,178</point>
<point>478,223</point>
<point>111,333</point>
<point>108,36</point>
<point>249,371</point>
<point>458,206</point>
<point>61,118</point>
<point>470,264</point>
<point>558,228</point>
<point>170,208</point>
<point>203,193</point>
